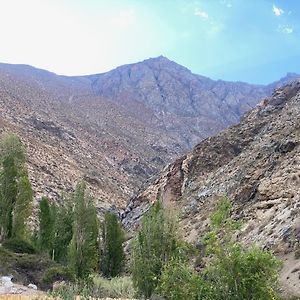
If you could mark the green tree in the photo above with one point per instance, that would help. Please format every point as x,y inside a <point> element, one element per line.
<point>231,272</point>
<point>22,209</point>
<point>12,159</point>
<point>154,245</point>
<point>46,226</point>
<point>84,248</point>
<point>234,271</point>
<point>112,258</point>
<point>63,231</point>
<point>179,281</point>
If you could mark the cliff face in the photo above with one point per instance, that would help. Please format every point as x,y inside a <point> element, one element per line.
<point>115,130</point>
<point>257,165</point>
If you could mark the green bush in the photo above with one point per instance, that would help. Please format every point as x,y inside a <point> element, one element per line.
<point>57,273</point>
<point>19,246</point>
<point>97,287</point>
<point>117,287</point>
<point>179,281</point>
<point>230,271</point>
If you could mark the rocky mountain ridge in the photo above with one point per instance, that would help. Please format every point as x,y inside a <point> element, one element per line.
<point>115,130</point>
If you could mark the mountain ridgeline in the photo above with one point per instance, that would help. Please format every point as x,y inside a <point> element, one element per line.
<point>116,129</point>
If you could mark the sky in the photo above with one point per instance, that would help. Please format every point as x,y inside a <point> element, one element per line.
<point>256,41</point>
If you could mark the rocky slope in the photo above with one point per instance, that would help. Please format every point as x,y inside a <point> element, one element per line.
<point>257,165</point>
<point>117,129</point>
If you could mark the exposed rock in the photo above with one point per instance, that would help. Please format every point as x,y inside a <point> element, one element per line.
<point>256,164</point>
<point>118,129</point>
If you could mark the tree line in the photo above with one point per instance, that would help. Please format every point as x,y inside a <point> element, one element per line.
<point>69,232</point>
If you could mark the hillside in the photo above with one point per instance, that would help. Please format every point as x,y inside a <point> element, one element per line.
<point>117,129</point>
<point>256,165</point>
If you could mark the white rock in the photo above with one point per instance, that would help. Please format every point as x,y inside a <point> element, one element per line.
<point>6,281</point>
<point>32,286</point>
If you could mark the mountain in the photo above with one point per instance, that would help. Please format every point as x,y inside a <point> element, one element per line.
<point>116,129</point>
<point>256,164</point>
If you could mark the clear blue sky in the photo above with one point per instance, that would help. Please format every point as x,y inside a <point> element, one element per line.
<point>247,40</point>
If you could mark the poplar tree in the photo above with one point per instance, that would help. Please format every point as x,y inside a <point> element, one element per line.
<point>63,231</point>
<point>112,259</point>
<point>22,209</point>
<point>15,188</point>
<point>84,247</point>
<point>46,226</point>
<point>154,246</point>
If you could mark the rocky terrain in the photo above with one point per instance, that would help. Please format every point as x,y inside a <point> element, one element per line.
<point>257,165</point>
<point>115,130</point>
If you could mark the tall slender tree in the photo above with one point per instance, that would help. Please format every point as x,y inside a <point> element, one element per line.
<point>84,247</point>
<point>13,176</point>
<point>22,209</point>
<point>112,259</point>
<point>63,230</point>
<point>46,226</point>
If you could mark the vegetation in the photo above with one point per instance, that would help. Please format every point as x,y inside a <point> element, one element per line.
<point>231,272</point>
<point>84,247</point>
<point>68,246</point>
<point>63,231</point>
<point>155,244</point>
<point>46,226</point>
<point>112,258</point>
<point>98,287</point>
<point>57,273</point>
<point>19,246</point>
<point>179,281</point>
<point>15,190</point>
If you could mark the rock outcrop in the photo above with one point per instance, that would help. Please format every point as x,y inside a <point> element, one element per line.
<point>257,165</point>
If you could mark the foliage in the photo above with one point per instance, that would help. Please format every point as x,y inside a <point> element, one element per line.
<point>97,287</point>
<point>236,272</point>
<point>117,287</point>
<point>46,226</point>
<point>231,271</point>
<point>154,245</point>
<point>22,209</point>
<point>63,231</point>
<point>24,267</point>
<point>113,236</point>
<point>12,159</point>
<point>19,246</point>
<point>179,281</point>
<point>83,251</point>
<point>57,273</point>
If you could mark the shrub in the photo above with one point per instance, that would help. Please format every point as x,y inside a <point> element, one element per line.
<point>19,246</point>
<point>98,287</point>
<point>57,273</point>
<point>179,281</point>
<point>231,271</point>
<point>117,287</point>
<point>234,271</point>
